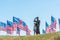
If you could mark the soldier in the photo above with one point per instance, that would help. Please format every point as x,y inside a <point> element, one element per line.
<point>36,25</point>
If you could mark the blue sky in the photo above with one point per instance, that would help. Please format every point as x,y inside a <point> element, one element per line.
<point>27,10</point>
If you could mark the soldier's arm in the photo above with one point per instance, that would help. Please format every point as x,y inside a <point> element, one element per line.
<point>35,20</point>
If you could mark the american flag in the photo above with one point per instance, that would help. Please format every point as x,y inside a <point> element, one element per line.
<point>9,27</point>
<point>59,23</point>
<point>16,24</point>
<point>18,31</point>
<point>25,28</point>
<point>2,26</point>
<point>47,28</point>
<point>43,31</point>
<point>53,24</point>
<point>16,21</point>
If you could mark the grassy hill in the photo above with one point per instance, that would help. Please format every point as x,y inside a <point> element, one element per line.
<point>50,36</point>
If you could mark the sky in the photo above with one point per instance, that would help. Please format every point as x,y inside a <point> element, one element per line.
<point>27,10</point>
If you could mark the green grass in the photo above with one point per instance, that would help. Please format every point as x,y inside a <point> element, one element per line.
<point>50,36</point>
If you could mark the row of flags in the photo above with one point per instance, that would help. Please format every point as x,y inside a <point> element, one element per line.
<point>52,27</point>
<point>16,25</point>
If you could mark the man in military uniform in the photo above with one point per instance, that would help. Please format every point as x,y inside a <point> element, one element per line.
<point>36,25</point>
